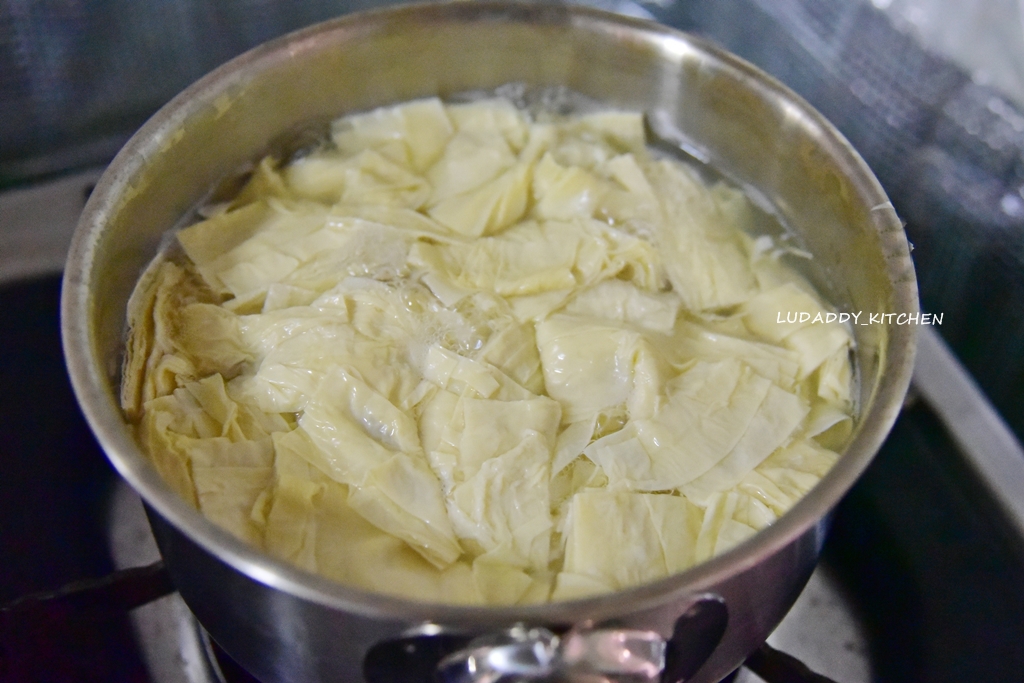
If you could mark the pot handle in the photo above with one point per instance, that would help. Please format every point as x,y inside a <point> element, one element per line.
<point>695,636</point>
<point>522,653</point>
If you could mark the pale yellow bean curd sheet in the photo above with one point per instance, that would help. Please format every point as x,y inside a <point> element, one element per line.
<point>468,355</point>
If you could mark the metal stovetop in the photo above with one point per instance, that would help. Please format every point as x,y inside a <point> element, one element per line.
<point>920,580</point>
<point>922,573</point>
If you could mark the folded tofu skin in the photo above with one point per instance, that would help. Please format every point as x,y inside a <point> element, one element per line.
<point>472,354</point>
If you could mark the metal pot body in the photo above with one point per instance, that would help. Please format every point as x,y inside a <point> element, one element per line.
<point>286,625</point>
<point>279,637</point>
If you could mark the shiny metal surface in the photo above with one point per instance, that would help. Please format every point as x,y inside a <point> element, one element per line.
<point>537,654</point>
<point>518,653</point>
<point>991,447</point>
<point>284,624</point>
<point>36,224</point>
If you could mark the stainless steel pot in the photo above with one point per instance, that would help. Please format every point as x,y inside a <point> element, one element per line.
<point>286,625</point>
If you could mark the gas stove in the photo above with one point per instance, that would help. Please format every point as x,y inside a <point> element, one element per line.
<point>920,579</point>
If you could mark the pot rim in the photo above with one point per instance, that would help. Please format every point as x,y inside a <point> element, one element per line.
<point>105,417</point>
